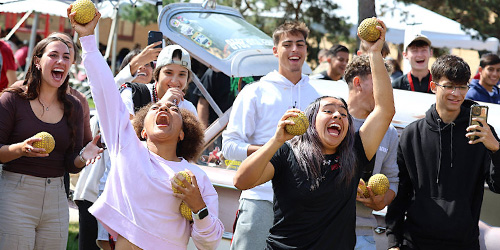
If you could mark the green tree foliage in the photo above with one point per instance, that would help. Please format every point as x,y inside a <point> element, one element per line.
<point>478,15</point>
<point>142,13</point>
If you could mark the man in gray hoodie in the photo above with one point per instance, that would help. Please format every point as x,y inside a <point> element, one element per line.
<point>361,103</point>
<point>253,120</point>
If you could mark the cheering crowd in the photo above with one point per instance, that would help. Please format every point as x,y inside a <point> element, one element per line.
<point>299,192</point>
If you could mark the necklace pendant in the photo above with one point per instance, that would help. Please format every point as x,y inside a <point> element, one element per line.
<point>47,109</point>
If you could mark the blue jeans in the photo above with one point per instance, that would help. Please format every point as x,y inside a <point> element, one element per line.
<point>365,242</point>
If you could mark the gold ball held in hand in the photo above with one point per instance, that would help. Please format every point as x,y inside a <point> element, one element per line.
<point>85,11</point>
<point>300,126</point>
<point>47,142</point>
<point>186,211</point>
<point>183,208</point>
<point>379,183</point>
<point>186,176</point>
<point>367,29</point>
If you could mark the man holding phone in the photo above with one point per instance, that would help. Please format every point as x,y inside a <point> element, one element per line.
<point>442,171</point>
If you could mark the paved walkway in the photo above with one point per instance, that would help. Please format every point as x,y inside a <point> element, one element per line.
<point>73,212</point>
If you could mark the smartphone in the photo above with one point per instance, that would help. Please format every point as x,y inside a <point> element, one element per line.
<point>155,36</point>
<point>477,111</point>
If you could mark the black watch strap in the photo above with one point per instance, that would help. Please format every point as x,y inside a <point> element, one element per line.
<point>201,214</point>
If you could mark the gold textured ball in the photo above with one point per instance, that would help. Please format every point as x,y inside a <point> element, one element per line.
<point>186,211</point>
<point>364,190</point>
<point>186,176</point>
<point>367,29</point>
<point>47,142</point>
<point>85,11</point>
<point>379,184</point>
<point>300,126</point>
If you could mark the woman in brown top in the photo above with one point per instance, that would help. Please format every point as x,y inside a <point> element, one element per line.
<point>33,206</point>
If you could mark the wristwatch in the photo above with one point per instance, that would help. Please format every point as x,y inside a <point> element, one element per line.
<point>81,157</point>
<point>201,214</point>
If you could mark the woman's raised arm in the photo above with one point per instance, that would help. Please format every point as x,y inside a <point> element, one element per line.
<point>373,130</point>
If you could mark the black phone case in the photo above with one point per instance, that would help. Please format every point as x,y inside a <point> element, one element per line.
<point>155,36</point>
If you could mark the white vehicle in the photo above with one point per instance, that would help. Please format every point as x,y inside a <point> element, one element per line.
<point>220,38</point>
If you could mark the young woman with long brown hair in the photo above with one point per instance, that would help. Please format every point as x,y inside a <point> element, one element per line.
<point>33,205</point>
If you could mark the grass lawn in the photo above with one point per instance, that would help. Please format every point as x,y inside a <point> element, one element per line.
<point>72,234</point>
<point>91,103</point>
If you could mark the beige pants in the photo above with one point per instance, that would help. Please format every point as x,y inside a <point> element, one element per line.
<point>34,212</point>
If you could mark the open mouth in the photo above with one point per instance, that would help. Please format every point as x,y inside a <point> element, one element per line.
<point>162,119</point>
<point>58,74</point>
<point>294,58</point>
<point>142,74</point>
<point>420,61</point>
<point>334,129</point>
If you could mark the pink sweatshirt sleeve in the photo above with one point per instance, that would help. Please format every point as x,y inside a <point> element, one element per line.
<point>113,115</point>
<point>207,233</point>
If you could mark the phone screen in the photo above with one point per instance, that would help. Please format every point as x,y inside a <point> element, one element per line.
<point>155,36</point>
<point>478,111</point>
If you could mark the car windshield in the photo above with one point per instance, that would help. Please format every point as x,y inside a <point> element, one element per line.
<point>220,34</point>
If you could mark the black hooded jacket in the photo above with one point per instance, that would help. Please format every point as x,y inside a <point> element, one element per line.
<point>441,184</point>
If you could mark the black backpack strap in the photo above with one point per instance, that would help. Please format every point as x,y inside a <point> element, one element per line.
<point>141,96</point>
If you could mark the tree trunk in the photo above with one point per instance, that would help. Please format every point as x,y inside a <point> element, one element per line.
<point>366,8</point>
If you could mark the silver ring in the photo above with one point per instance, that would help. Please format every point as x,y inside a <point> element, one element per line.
<point>29,149</point>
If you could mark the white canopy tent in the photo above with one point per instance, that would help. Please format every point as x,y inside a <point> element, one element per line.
<point>442,31</point>
<point>107,8</point>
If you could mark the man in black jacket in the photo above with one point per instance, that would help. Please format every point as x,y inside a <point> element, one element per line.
<point>442,171</point>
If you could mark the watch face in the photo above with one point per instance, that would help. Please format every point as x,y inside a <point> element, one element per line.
<point>203,213</point>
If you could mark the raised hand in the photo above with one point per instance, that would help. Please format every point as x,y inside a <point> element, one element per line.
<point>83,29</point>
<point>148,54</point>
<point>377,45</point>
